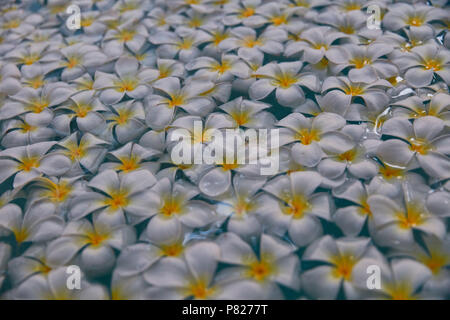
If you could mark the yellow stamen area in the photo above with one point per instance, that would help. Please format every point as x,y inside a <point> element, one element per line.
<point>222,68</point>
<point>415,21</point>
<point>176,100</point>
<point>58,8</point>
<point>43,268</point>
<point>247,12</point>
<point>199,290</point>
<point>241,117</point>
<point>172,205</point>
<point>419,146</point>
<point>399,291</point>
<point>435,261</point>
<point>117,199</point>
<point>295,205</point>
<point>30,58</point>
<point>432,64</point>
<point>189,2</point>
<point>37,105</point>
<point>86,22</point>
<point>21,235</point>
<point>360,62</point>
<point>161,21</point>
<point>250,42</point>
<point>28,163</point>
<point>285,80</point>
<point>347,29</point>
<point>95,239</point>
<point>36,82</point>
<point>300,3</point>
<point>127,84</point>
<point>57,192</point>
<point>123,116</point>
<point>349,155</point>
<point>75,151</point>
<point>172,250</point>
<point>72,62</point>
<point>229,166</point>
<point>343,266</point>
<point>307,136</point>
<point>412,217</point>
<point>12,24</point>
<point>126,35</point>
<point>82,109</point>
<point>128,164</point>
<point>218,37</point>
<point>260,270</point>
<point>195,22</point>
<point>85,85</point>
<point>128,6</point>
<point>243,205</point>
<point>389,172</point>
<point>365,208</point>
<point>354,90</point>
<point>164,72</point>
<point>25,127</point>
<point>322,64</point>
<point>278,20</point>
<point>185,44</point>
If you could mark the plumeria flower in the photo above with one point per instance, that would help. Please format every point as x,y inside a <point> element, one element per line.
<point>129,34</point>
<point>285,78</point>
<point>401,279</point>
<point>159,19</point>
<point>53,286</point>
<point>33,54</point>
<point>90,245</point>
<point>274,14</point>
<point>166,68</point>
<point>315,43</point>
<point>85,153</point>
<point>31,161</point>
<point>245,39</point>
<point>125,121</point>
<point>37,224</point>
<point>216,32</point>
<point>172,208</point>
<point>312,135</point>
<point>403,45</point>
<point>190,276</point>
<point>424,140</point>
<point>183,45</point>
<point>223,69</point>
<point>130,80</point>
<point>339,269</point>
<point>241,206</point>
<point>414,107</point>
<point>424,63</point>
<point>348,23</point>
<point>36,104</point>
<point>436,257</point>
<point>248,113</point>
<point>364,61</point>
<point>160,109</point>
<point>275,264</point>
<point>296,209</point>
<point>343,92</point>
<point>117,194</point>
<point>19,133</point>
<point>131,9</point>
<point>78,57</point>
<point>395,222</point>
<point>85,109</point>
<point>130,157</point>
<point>19,23</point>
<point>417,17</point>
<point>239,12</point>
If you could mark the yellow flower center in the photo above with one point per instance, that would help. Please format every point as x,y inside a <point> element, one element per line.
<point>411,218</point>
<point>199,290</point>
<point>172,250</point>
<point>96,239</point>
<point>72,62</point>
<point>57,192</point>
<point>295,205</point>
<point>400,292</point>
<point>58,8</point>
<point>389,172</point>
<point>28,163</point>
<point>322,64</point>
<point>360,62</point>
<point>21,235</point>
<point>12,24</point>
<point>307,136</point>
<point>350,6</point>
<point>37,105</point>
<point>176,100</point>
<point>43,268</point>
<point>195,22</point>
<point>172,205</point>
<point>415,21</point>
<point>126,35</point>
<point>128,164</point>
<point>419,146</point>
<point>250,42</point>
<point>354,90</point>
<point>117,199</point>
<point>247,12</point>
<point>243,206</point>
<point>285,80</point>
<point>260,270</point>
<point>343,266</point>
<point>229,166</point>
<point>36,82</point>
<point>123,116</point>
<point>278,20</point>
<point>347,29</point>
<point>25,127</point>
<point>222,68</point>
<point>75,151</point>
<point>241,117</point>
<point>86,22</point>
<point>82,109</point>
<point>348,156</point>
<point>432,64</point>
<point>126,85</point>
<point>30,58</point>
<point>435,262</point>
<point>128,6</point>
<point>365,208</point>
<point>185,44</point>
